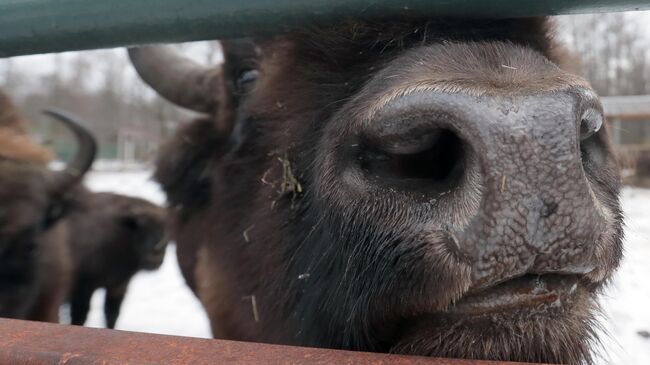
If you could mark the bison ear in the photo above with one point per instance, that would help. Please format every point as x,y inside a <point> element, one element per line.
<point>182,167</point>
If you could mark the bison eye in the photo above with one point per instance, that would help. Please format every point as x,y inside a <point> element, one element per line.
<point>53,214</point>
<point>590,123</point>
<point>245,81</point>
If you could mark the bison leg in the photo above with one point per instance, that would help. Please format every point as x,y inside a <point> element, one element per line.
<point>80,304</point>
<point>113,302</point>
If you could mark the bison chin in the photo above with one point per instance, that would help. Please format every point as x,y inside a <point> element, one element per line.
<point>561,332</point>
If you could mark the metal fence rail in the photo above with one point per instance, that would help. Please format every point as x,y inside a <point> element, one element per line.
<point>42,26</point>
<point>31,343</point>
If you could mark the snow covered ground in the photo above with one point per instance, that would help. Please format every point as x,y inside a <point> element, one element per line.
<point>627,303</point>
<point>159,302</point>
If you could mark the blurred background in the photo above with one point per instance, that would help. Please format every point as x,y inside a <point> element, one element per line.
<point>130,122</point>
<point>127,117</point>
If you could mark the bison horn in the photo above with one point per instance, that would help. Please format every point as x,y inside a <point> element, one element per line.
<point>83,158</point>
<point>177,78</point>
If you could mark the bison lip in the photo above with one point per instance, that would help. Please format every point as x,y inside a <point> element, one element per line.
<point>525,292</point>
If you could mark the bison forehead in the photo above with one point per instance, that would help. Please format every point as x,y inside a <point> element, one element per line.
<point>474,68</point>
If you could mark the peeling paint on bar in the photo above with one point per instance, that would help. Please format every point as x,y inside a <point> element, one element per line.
<point>32,343</point>
<point>43,26</point>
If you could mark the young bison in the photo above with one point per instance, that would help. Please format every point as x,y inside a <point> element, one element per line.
<point>433,187</point>
<point>33,263</point>
<point>112,237</point>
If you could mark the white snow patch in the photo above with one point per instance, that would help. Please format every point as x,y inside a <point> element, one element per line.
<point>137,183</point>
<point>627,301</point>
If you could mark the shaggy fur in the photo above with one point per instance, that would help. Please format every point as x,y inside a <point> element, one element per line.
<point>289,234</point>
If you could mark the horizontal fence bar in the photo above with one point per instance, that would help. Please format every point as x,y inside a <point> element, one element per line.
<point>31,343</point>
<point>43,26</point>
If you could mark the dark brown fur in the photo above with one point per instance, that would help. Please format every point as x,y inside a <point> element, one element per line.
<point>278,251</point>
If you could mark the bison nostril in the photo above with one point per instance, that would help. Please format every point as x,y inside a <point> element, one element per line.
<point>591,148</point>
<point>590,123</point>
<point>435,158</point>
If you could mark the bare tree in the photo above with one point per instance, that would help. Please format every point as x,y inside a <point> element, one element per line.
<point>613,51</point>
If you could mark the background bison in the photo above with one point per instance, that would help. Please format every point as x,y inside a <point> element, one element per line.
<point>112,237</point>
<point>33,263</point>
<point>431,187</point>
<point>59,240</point>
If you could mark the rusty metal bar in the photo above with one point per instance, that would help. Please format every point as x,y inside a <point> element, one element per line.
<point>31,343</point>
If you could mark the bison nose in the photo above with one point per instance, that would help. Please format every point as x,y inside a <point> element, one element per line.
<point>415,150</point>
<point>518,165</point>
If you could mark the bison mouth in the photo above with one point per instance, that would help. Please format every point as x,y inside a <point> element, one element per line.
<point>536,318</point>
<point>528,292</point>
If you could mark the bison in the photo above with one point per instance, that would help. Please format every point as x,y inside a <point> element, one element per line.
<point>440,187</point>
<point>79,240</point>
<point>33,263</point>
<point>112,237</point>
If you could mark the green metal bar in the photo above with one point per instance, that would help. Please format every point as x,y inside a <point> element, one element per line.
<point>42,26</point>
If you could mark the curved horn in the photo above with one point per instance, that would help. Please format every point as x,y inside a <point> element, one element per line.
<point>177,78</point>
<point>83,158</point>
